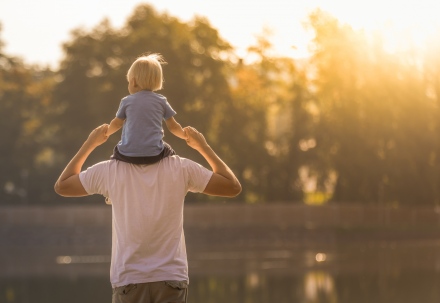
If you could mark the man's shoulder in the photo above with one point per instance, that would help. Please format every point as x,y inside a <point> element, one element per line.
<point>101,165</point>
<point>116,164</point>
<point>195,175</point>
<point>178,162</point>
<point>183,164</point>
<point>171,163</point>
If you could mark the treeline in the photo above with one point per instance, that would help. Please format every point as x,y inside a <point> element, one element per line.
<point>353,123</point>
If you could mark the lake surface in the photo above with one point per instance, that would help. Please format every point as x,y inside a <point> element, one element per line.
<point>43,263</point>
<point>374,272</point>
<point>377,274</point>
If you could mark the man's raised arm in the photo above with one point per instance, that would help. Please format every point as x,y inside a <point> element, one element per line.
<point>223,181</point>
<point>68,183</point>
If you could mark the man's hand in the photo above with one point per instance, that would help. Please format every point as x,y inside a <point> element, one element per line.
<point>223,181</point>
<point>98,136</point>
<point>194,138</point>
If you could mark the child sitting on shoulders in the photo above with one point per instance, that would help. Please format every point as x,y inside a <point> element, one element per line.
<point>140,115</point>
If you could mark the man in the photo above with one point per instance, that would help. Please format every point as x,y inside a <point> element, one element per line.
<point>149,263</point>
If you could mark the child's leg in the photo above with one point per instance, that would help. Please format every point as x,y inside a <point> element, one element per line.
<point>166,152</point>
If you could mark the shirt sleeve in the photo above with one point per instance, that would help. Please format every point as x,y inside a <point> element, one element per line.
<point>168,111</point>
<point>197,176</point>
<point>93,179</point>
<point>121,114</point>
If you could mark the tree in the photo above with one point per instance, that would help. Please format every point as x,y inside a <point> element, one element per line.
<point>93,77</point>
<point>25,106</point>
<point>267,118</point>
<point>374,117</point>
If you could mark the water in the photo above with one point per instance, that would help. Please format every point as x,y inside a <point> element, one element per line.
<point>314,286</point>
<point>53,259</point>
<point>404,273</point>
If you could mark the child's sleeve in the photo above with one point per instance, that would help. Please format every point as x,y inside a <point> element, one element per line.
<point>121,110</point>
<point>168,110</point>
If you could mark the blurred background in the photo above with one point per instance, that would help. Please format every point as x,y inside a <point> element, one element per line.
<point>328,113</point>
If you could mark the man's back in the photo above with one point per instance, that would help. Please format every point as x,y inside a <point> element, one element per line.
<point>148,242</point>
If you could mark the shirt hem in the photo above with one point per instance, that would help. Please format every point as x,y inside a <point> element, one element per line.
<point>149,280</point>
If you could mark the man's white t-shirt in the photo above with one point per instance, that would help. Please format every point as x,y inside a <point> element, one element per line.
<point>148,242</point>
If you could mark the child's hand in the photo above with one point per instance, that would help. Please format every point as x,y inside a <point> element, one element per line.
<point>194,138</point>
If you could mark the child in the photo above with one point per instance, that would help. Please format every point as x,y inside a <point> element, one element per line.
<point>141,114</point>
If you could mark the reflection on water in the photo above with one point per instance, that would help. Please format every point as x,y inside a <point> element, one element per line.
<point>82,259</point>
<point>55,290</point>
<point>312,287</point>
<point>60,260</point>
<point>404,275</point>
<point>320,257</point>
<point>319,284</point>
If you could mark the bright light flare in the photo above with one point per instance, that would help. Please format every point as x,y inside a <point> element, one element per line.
<point>62,260</point>
<point>320,257</point>
<point>402,24</point>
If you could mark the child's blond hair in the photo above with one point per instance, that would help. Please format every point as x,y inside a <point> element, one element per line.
<point>147,72</point>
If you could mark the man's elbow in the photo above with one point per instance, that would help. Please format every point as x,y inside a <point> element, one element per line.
<point>60,189</point>
<point>220,186</point>
<point>235,190</point>
<point>57,188</point>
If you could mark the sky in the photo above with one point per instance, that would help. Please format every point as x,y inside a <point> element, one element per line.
<point>35,30</point>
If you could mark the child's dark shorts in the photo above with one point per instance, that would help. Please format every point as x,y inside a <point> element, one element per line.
<point>166,152</point>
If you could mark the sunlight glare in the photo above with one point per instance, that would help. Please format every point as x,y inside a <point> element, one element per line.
<point>82,259</point>
<point>402,24</point>
<point>320,257</point>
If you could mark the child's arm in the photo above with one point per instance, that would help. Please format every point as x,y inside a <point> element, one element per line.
<point>115,125</point>
<point>175,128</point>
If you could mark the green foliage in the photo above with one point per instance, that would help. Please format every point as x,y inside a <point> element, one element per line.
<point>94,71</point>
<point>354,123</point>
<point>267,118</point>
<point>25,104</point>
<point>376,120</point>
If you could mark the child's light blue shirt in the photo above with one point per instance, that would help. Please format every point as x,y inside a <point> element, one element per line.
<point>142,132</point>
